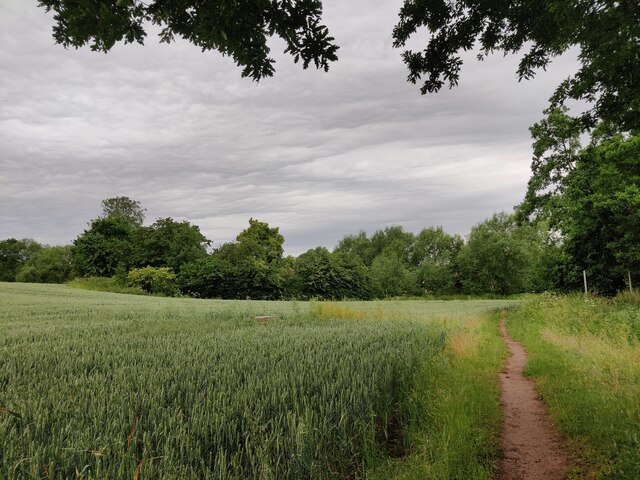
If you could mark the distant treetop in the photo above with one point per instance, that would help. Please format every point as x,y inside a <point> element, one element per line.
<point>125,208</point>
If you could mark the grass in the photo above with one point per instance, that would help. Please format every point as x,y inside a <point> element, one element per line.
<point>104,385</point>
<point>585,359</point>
<point>456,403</point>
<point>103,284</point>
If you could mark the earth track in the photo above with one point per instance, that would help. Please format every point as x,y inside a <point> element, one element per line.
<point>533,448</point>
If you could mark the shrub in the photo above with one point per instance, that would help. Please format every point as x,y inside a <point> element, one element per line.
<point>158,280</point>
<point>47,265</point>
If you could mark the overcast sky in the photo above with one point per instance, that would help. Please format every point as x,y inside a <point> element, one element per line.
<point>319,155</point>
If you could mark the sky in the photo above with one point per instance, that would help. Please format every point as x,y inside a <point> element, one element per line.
<point>319,155</point>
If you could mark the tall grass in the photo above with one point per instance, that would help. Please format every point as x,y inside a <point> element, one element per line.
<point>103,284</point>
<point>456,410</point>
<point>585,358</point>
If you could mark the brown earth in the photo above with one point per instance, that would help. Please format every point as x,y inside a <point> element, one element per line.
<point>533,448</point>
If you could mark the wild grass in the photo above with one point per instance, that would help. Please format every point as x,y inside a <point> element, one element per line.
<point>332,311</point>
<point>585,358</point>
<point>103,284</point>
<point>456,406</point>
<point>103,385</point>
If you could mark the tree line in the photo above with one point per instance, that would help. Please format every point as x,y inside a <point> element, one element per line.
<point>168,257</point>
<point>581,214</point>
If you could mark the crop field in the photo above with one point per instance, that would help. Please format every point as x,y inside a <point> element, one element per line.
<point>101,385</point>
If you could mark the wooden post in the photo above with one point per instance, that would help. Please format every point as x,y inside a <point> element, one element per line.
<point>630,286</point>
<point>584,277</point>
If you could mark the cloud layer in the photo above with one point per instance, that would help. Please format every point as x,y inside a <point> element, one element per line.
<point>319,155</point>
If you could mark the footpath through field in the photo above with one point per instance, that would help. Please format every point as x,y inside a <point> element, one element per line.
<point>533,448</point>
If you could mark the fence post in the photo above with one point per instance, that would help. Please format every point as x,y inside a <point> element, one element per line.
<point>584,277</point>
<point>630,286</point>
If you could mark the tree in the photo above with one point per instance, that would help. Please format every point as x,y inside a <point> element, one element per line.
<point>208,277</point>
<point>499,257</point>
<point>262,241</point>
<point>590,195</point>
<point>368,249</point>
<point>391,276</point>
<point>237,29</point>
<point>14,254</point>
<point>125,208</point>
<point>47,265</point>
<point>250,267</point>
<point>605,32</point>
<point>434,253</point>
<point>325,275</point>
<point>168,243</point>
<point>358,245</point>
<point>556,148</point>
<point>104,248</point>
<point>395,239</point>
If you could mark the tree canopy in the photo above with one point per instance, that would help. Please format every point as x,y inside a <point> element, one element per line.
<point>124,207</point>
<point>501,257</point>
<point>605,32</point>
<point>589,194</point>
<point>237,29</point>
<point>103,248</point>
<point>14,254</point>
<point>167,243</point>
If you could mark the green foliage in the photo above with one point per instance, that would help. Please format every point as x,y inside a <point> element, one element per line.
<point>249,274</point>
<point>605,33</point>
<point>117,242</point>
<point>209,277</point>
<point>103,248</point>
<point>602,212</point>
<point>255,260</point>
<point>240,30</point>
<point>391,275</point>
<point>261,241</point>
<point>359,245</point>
<point>591,195</point>
<point>156,280</point>
<point>14,254</point>
<point>47,265</point>
<point>168,243</point>
<point>125,208</point>
<point>555,151</point>
<point>583,356</point>
<point>435,254</point>
<point>392,238</point>
<point>248,268</point>
<point>501,257</point>
<point>324,275</point>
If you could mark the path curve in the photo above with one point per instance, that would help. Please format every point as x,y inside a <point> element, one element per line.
<point>533,448</point>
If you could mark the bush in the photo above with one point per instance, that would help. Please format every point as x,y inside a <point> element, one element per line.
<point>157,280</point>
<point>47,265</point>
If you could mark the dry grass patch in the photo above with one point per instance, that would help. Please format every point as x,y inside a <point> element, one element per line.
<point>464,344</point>
<point>333,311</point>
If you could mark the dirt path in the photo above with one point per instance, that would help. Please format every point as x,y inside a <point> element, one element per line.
<point>532,446</point>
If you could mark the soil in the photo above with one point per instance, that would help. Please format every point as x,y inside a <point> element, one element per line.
<point>533,448</point>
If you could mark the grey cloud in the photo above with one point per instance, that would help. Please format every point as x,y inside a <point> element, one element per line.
<point>320,155</point>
